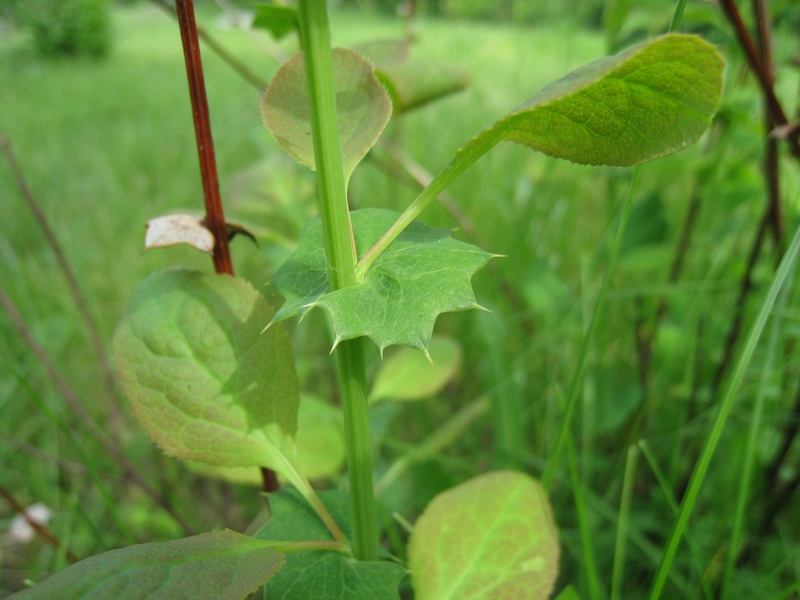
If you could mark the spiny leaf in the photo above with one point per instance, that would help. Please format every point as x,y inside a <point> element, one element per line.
<point>409,375</point>
<point>425,272</point>
<point>322,573</point>
<point>362,104</point>
<point>223,565</point>
<point>203,382</point>
<point>491,537</point>
<point>648,101</point>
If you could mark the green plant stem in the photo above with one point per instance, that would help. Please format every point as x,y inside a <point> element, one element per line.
<point>465,158</point>
<point>575,386</point>
<point>340,252</point>
<point>698,475</point>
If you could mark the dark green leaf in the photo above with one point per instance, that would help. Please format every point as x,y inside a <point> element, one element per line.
<point>202,380</point>
<point>223,565</point>
<point>278,20</point>
<point>322,574</point>
<point>425,272</point>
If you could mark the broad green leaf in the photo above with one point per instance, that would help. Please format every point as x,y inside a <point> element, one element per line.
<point>413,85</point>
<point>202,380</point>
<point>223,565</point>
<point>322,573</point>
<point>491,537</point>
<point>648,101</point>
<point>278,20</point>
<point>410,375</point>
<point>362,103</point>
<point>425,272</point>
<point>568,593</point>
<point>320,438</point>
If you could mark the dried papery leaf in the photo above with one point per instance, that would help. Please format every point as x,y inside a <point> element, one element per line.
<point>172,230</point>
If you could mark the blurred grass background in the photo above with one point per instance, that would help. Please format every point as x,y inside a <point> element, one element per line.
<point>107,144</point>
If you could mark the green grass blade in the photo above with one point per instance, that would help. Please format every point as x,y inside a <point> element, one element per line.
<point>575,386</point>
<point>698,475</point>
<point>620,546</point>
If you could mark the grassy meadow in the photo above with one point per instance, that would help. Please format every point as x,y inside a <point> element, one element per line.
<point>107,145</point>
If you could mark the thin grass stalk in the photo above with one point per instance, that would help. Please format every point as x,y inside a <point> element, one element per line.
<point>621,543</point>
<point>701,467</point>
<point>577,379</point>
<point>743,495</point>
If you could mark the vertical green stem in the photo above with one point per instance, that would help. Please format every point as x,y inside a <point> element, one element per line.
<point>340,252</point>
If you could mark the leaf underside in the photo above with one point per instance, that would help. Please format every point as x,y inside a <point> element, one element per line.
<point>223,565</point>
<point>491,537</point>
<point>320,573</point>
<point>423,273</point>
<point>203,382</point>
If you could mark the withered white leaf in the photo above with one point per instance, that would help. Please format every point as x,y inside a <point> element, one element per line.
<point>171,230</point>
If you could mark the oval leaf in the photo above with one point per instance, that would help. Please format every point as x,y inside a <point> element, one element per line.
<point>491,537</point>
<point>648,101</point>
<point>411,375</point>
<point>362,104</point>
<point>223,565</point>
<point>202,381</point>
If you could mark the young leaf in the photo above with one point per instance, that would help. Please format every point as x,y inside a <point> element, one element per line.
<point>491,537</point>
<point>224,564</point>
<point>648,101</point>
<point>322,573</point>
<point>361,101</point>
<point>409,375</point>
<point>424,273</point>
<point>278,20</point>
<point>203,382</point>
<point>413,85</point>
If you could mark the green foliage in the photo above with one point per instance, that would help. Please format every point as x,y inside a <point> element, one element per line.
<point>204,384</point>
<point>320,573</point>
<point>278,20</point>
<point>413,85</point>
<point>362,103</point>
<point>491,537</point>
<point>648,101</point>
<point>225,565</point>
<point>403,293</point>
<point>411,375</point>
<point>65,27</point>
